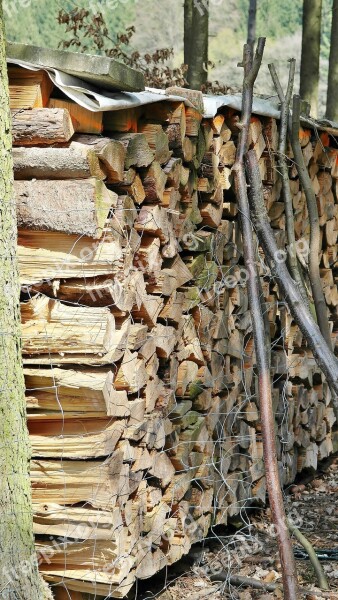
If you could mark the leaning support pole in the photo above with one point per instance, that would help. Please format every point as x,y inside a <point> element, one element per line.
<point>283,168</point>
<point>325,358</point>
<point>251,67</point>
<point>314,252</point>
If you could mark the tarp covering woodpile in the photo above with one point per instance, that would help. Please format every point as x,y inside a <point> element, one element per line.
<point>137,341</point>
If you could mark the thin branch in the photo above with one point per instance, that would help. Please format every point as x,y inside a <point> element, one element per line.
<point>257,61</point>
<point>317,567</point>
<point>314,253</point>
<point>325,358</point>
<point>276,82</point>
<point>283,167</point>
<point>242,581</point>
<point>251,67</point>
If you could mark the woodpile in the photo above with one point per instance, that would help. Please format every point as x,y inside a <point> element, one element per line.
<point>137,342</point>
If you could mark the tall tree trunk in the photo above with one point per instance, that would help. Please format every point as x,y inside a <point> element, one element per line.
<point>309,68</point>
<point>252,22</point>
<point>20,578</point>
<point>332,87</point>
<point>188,14</point>
<point>196,39</point>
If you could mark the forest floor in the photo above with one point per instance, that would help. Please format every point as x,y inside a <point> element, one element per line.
<point>251,551</point>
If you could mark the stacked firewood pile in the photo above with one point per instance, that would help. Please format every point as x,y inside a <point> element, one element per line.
<point>137,342</point>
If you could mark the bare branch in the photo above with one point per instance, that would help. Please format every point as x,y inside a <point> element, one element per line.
<point>317,567</point>
<point>325,358</point>
<point>282,163</point>
<point>276,82</point>
<point>292,70</point>
<point>242,581</point>
<point>251,67</point>
<point>315,243</point>
<point>257,61</point>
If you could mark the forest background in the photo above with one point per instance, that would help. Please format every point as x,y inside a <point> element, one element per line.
<point>159,24</point>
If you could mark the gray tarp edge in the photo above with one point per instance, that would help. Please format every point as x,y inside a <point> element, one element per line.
<point>97,100</point>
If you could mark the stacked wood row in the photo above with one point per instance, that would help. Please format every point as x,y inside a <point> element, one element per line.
<point>137,340</point>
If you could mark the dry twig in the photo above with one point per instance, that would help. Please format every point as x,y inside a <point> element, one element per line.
<point>315,243</point>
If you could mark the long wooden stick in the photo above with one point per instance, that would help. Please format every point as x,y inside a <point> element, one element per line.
<point>315,244</point>
<point>251,65</point>
<point>325,359</point>
<point>283,168</point>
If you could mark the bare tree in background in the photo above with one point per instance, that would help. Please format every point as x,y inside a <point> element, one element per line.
<point>332,88</point>
<point>196,41</point>
<point>309,68</point>
<point>252,22</point>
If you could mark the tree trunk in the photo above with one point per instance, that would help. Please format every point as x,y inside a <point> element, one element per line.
<point>332,88</point>
<point>20,578</point>
<point>196,33</point>
<point>309,68</point>
<point>188,13</point>
<point>252,21</point>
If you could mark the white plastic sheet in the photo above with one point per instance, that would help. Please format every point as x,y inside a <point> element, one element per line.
<point>97,100</point>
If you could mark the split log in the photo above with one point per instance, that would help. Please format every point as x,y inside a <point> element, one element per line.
<point>74,206</point>
<point>154,181</point>
<point>74,393</point>
<point>111,154</point>
<point>157,140</point>
<point>74,438</point>
<point>28,89</point>
<point>124,121</point>
<point>51,255</point>
<point>77,523</point>
<point>84,120</point>
<point>49,326</point>
<point>138,152</point>
<point>77,481</point>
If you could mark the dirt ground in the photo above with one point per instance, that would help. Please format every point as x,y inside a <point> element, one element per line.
<point>251,550</point>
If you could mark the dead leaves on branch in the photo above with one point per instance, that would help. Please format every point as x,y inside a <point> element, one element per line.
<point>86,31</point>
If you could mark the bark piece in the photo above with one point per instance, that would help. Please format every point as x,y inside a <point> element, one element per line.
<point>56,163</point>
<point>41,126</point>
